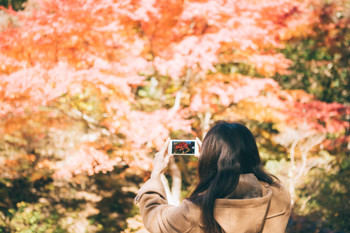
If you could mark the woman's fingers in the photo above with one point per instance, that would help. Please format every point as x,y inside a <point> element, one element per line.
<point>162,151</point>
<point>199,142</point>
<point>161,160</point>
<point>165,147</point>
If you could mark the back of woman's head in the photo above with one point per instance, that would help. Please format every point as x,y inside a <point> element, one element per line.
<point>228,150</point>
<point>228,147</point>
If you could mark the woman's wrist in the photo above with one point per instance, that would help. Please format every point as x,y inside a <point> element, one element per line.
<point>155,174</point>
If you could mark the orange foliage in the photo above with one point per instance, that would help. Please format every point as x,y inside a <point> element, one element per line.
<point>63,48</point>
<point>225,90</point>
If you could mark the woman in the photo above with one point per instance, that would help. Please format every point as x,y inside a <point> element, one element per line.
<point>234,193</point>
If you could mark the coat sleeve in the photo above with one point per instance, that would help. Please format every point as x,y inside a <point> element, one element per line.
<point>158,216</point>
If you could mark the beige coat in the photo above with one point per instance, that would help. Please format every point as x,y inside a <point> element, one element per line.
<point>261,208</point>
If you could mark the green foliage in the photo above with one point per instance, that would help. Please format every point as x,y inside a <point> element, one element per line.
<point>15,4</point>
<point>157,93</point>
<point>325,196</point>
<point>23,210</point>
<point>35,218</point>
<point>117,206</point>
<point>101,203</point>
<point>238,68</point>
<point>321,60</point>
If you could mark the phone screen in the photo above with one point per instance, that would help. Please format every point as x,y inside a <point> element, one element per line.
<point>183,147</point>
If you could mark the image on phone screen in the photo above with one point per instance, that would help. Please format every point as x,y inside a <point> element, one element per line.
<point>183,147</point>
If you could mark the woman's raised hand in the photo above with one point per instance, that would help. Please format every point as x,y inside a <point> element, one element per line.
<point>161,160</point>
<point>199,142</point>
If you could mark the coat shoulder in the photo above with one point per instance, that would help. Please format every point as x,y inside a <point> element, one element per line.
<point>191,209</point>
<point>280,201</point>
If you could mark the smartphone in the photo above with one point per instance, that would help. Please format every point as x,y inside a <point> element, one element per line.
<point>183,147</point>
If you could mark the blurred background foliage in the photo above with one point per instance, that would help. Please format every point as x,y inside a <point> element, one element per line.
<point>33,200</point>
<point>321,60</point>
<point>321,67</point>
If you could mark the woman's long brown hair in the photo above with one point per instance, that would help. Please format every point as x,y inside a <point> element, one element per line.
<point>228,150</point>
